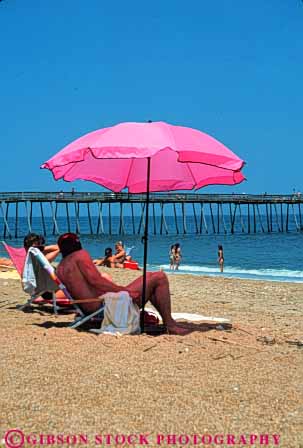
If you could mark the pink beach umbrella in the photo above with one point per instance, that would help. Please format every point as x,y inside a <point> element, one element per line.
<point>147,157</point>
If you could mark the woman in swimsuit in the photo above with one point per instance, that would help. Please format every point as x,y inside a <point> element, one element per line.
<point>220,257</point>
<point>120,255</point>
<point>177,255</point>
<point>171,258</point>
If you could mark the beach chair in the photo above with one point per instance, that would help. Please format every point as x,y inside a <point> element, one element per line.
<point>128,250</point>
<point>99,313</point>
<point>50,282</point>
<point>18,257</point>
<point>35,281</point>
<point>39,276</point>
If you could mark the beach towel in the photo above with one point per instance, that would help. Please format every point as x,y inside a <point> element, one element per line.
<point>35,279</point>
<point>179,317</point>
<point>121,315</point>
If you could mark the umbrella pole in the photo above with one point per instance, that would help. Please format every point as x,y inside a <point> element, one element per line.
<point>145,240</point>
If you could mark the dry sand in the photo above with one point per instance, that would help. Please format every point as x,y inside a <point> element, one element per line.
<point>55,380</point>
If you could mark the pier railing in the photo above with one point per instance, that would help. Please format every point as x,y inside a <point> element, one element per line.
<point>178,213</point>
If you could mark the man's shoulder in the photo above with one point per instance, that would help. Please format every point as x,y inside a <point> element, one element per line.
<point>78,255</point>
<point>82,253</point>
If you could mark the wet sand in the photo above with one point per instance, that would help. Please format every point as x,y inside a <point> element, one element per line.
<point>248,380</point>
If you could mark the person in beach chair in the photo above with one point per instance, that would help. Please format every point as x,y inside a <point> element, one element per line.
<point>39,275</point>
<point>50,252</point>
<point>18,257</point>
<point>83,279</point>
<point>39,279</point>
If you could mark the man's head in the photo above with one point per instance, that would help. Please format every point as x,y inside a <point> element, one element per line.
<point>69,243</point>
<point>33,239</point>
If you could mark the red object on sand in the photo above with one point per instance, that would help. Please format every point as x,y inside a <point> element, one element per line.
<point>131,265</point>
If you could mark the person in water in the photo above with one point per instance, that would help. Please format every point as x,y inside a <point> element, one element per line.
<point>84,281</point>
<point>171,258</point>
<point>175,256</point>
<point>220,257</point>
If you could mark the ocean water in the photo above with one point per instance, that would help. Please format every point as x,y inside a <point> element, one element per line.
<point>272,256</point>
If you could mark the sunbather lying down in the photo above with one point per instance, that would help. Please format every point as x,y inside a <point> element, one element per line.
<point>6,262</point>
<point>81,277</point>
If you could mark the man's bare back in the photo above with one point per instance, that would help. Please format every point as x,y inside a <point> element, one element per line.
<point>83,279</point>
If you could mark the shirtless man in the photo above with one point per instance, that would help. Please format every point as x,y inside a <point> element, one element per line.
<point>83,280</point>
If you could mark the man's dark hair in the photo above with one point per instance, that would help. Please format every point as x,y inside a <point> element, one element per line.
<point>108,252</point>
<point>69,243</point>
<point>33,239</point>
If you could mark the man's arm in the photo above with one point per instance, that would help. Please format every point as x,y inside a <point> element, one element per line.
<point>51,252</point>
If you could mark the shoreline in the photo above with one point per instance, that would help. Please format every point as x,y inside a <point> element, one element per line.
<point>231,276</point>
<point>11,273</point>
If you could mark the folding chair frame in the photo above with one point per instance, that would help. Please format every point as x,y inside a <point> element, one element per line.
<point>84,318</point>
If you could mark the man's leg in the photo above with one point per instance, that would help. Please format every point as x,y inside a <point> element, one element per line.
<point>157,291</point>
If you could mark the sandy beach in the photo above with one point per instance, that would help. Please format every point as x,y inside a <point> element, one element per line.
<point>248,380</point>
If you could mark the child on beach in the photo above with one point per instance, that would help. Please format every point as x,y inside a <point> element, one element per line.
<point>220,257</point>
<point>106,261</point>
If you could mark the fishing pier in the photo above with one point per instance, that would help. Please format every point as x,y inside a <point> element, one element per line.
<point>52,213</point>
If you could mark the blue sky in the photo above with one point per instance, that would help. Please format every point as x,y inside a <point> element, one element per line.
<point>233,69</point>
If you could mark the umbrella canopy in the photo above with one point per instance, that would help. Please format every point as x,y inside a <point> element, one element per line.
<point>180,159</point>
